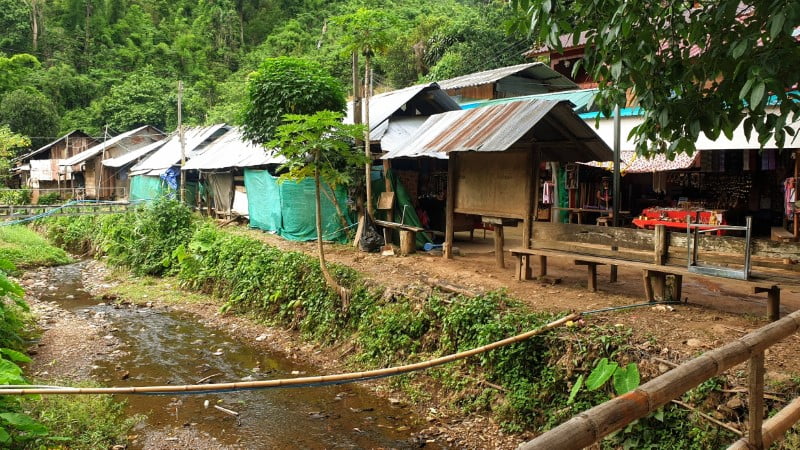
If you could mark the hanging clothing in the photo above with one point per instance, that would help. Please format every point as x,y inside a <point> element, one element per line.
<point>660,182</point>
<point>789,196</point>
<point>547,192</point>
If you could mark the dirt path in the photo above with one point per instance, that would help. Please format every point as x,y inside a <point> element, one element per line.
<point>715,312</point>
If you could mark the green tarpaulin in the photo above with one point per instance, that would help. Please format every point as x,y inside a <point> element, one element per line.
<point>288,209</point>
<point>144,187</point>
<point>404,211</point>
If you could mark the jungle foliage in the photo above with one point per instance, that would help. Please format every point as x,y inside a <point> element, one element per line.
<point>541,381</point>
<point>116,63</point>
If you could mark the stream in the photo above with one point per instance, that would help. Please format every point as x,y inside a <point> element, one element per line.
<point>160,346</point>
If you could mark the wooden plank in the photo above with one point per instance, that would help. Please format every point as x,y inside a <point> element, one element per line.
<point>648,286</point>
<point>491,183</point>
<point>398,226</point>
<point>591,234</point>
<point>755,400</point>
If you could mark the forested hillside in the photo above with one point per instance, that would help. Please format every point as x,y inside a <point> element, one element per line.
<point>92,64</point>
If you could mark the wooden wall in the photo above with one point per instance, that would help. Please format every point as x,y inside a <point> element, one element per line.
<point>492,183</point>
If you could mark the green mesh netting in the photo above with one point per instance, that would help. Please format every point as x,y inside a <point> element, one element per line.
<point>404,211</point>
<point>288,209</point>
<point>563,195</point>
<point>144,187</point>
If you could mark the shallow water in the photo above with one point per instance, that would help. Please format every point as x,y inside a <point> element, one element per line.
<point>168,347</point>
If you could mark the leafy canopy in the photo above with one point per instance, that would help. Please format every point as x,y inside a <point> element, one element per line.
<point>283,86</point>
<point>29,112</point>
<point>318,141</point>
<point>692,69</point>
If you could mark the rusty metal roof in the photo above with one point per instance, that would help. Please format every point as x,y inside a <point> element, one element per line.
<point>535,70</point>
<point>232,150</point>
<point>550,126</point>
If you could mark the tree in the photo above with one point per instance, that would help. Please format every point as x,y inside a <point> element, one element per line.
<point>30,113</point>
<point>287,86</point>
<point>16,71</point>
<point>10,142</point>
<point>142,99</point>
<point>692,66</point>
<point>367,32</point>
<point>319,145</point>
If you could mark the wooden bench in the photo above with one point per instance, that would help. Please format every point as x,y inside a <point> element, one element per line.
<point>659,254</point>
<point>408,235</point>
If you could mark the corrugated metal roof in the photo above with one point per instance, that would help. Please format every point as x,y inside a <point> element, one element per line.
<point>551,126</point>
<point>535,70</point>
<point>170,153</point>
<point>580,99</point>
<point>232,150</point>
<point>97,149</point>
<point>130,157</point>
<point>400,130</point>
<point>383,106</point>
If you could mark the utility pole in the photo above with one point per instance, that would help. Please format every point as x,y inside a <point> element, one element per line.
<point>182,186</point>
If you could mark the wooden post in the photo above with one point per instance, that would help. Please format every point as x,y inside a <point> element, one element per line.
<point>659,281</point>
<point>499,240</point>
<point>660,244</point>
<point>592,283</point>
<point>677,290</point>
<point>755,401</point>
<point>648,285</point>
<point>450,206</point>
<point>774,303</point>
<point>408,242</point>
<point>542,266</point>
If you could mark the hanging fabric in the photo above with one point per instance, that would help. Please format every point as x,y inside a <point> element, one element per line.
<point>789,197</point>
<point>547,192</point>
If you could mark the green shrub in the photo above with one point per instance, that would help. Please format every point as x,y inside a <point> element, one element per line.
<point>15,196</point>
<point>52,198</point>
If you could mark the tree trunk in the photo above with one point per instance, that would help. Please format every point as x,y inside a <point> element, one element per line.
<point>344,293</point>
<point>331,196</point>
<point>367,86</point>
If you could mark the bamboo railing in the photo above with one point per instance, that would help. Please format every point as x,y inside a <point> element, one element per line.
<point>592,425</point>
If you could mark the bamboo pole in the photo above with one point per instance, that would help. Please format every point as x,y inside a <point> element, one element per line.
<point>592,425</point>
<point>755,401</point>
<point>297,382</point>
<point>775,427</point>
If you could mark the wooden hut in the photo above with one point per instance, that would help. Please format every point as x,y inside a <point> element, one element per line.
<point>495,154</point>
<point>103,183</point>
<point>40,171</point>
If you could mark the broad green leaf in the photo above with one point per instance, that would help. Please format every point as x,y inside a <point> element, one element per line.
<point>627,379</point>
<point>24,423</point>
<point>600,374</point>
<point>739,48</point>
<point>616,69</point>
<point>777,24</point>
<point>659,415</point>
<point>14,355</point>
<point>746,88</point>
<point>5,438</point>
<point>757,94</point>
<point>575,388</point>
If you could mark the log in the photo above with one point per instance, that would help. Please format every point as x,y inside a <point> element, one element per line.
<point>755,401</point>
<point>450,287</point>
<point>408,242</point>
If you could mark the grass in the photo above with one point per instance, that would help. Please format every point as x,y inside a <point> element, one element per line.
<point>146,288</point>
<point>26,249</point>
<point>85,421</point>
